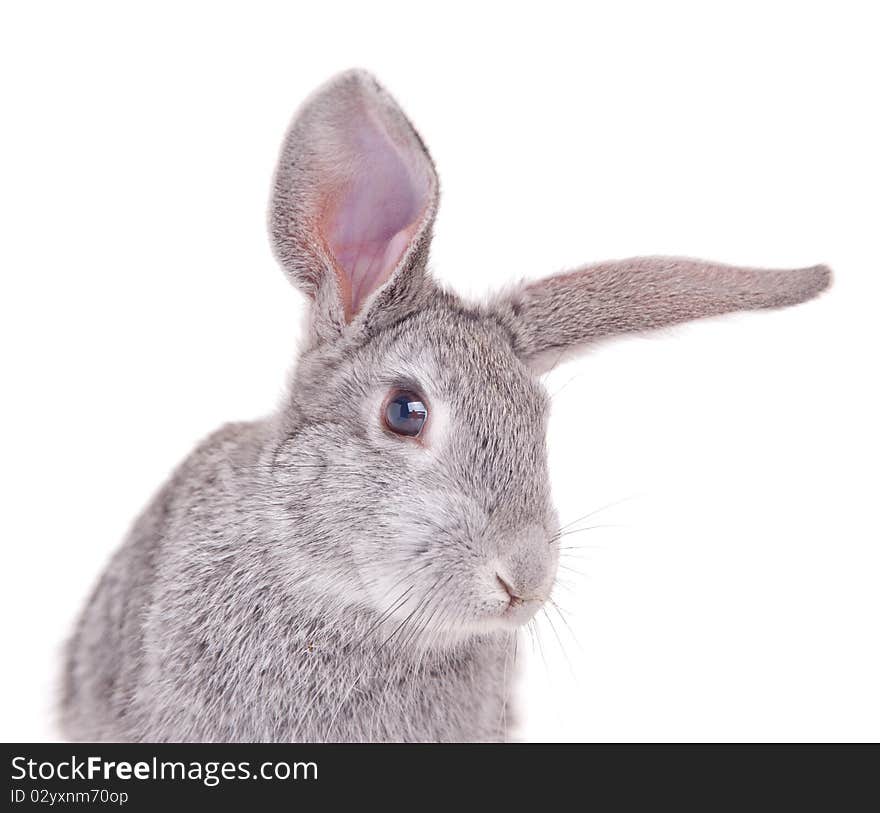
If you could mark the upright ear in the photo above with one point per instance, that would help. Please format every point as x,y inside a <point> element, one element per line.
<point>353,202</point>
<point>551,315</point>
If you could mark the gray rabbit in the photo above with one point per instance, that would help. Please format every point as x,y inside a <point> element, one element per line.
<point>356,566</point>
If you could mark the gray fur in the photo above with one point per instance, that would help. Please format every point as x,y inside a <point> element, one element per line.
<point>572,309</point>
<point>309,577</point>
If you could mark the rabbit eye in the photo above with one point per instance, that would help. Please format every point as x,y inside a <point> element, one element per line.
<point>405,413</point>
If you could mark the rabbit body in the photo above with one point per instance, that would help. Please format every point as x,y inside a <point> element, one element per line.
<point>235,609</point>
<point>355,567</point>
<point>192,635</point>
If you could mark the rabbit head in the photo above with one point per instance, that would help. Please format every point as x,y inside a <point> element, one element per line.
<point>413,444</point>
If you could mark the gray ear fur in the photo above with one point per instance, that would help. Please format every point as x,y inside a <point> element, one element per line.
<point>624,296</point>
<point>354,198</point>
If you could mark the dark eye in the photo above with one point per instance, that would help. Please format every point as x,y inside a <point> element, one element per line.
<point>405,413</point>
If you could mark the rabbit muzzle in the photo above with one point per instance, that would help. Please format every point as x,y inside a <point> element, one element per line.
<point>523,575</point>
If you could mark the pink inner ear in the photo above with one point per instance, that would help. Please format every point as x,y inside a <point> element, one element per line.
<point>374,214</point>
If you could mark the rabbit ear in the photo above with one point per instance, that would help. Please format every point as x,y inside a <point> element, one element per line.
<point>354,199</point>
<point>624,296</point>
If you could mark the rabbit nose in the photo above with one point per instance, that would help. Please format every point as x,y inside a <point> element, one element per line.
<point>515,600</point>
<point>524,565</point>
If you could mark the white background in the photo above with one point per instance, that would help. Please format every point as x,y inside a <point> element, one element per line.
<point>141,308</point>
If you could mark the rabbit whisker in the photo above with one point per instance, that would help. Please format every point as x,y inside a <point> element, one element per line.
<point>605,507</point>
<point>559,640</point>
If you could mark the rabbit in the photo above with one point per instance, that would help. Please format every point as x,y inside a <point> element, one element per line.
<point>355,567</point>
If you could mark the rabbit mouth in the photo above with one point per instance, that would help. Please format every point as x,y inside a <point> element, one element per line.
<point>518,609</point>
<point>519,613</point>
